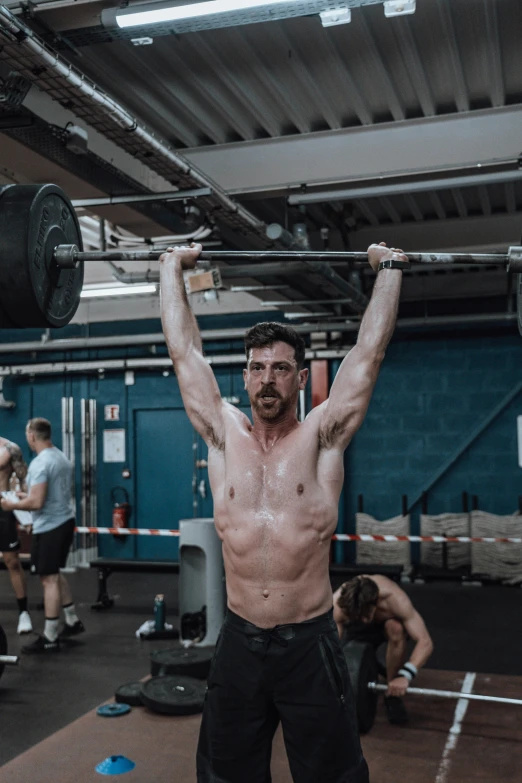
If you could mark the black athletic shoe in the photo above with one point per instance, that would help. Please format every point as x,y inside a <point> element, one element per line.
<point>72,630</point>
<point>41,645</point>
<point>395,710</point>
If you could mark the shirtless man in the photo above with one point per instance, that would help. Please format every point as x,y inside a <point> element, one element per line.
<point>12,462</point>
<point>276,485</point>
<point>376,610</point>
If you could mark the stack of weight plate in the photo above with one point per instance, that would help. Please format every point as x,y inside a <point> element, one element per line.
<point>177,685</point>
<point>459,555</point>
<point>497,561</point>
<point>383,552</point>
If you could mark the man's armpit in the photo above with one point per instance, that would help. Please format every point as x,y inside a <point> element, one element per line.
<point>331,434</point>
<point>208,432</point>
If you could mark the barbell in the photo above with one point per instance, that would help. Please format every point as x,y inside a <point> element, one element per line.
<point>42,263</point>
<point>363,669</point>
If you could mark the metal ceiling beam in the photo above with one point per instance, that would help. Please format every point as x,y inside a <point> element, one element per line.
<point>409,52</point>
<point>337,60</point>
<point>382,68</point>
<point>260,109</point>
<point>289,102</point>
<point>458,81</point>
<point>297,62</point>
<point>473,234</point>
<point>432,145</point>
<point>458,198</point>
<point>494,54</point>
<point>224,103</point>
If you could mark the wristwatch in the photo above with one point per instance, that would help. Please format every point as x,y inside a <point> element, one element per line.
<point>391,263</point>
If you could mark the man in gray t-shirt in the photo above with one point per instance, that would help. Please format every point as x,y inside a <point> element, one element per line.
<point>50,500</point>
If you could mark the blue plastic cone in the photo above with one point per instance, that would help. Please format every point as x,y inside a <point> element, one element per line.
<point>115,765</point>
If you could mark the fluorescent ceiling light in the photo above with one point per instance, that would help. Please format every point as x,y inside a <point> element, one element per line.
<point>101,292</point>
<point>176,13</point>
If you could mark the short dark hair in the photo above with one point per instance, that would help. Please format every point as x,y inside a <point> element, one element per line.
<point>41,428</point>
<point>269,332</point>
<point>358,597</point>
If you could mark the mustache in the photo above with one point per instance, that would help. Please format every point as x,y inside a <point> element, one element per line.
<point>268,390</point>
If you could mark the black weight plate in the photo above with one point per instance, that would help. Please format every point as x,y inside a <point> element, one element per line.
<point>363,668</point>
<point>190,661</point>
<point>519,301</point>
<point>34,291</point>
<point>130,693</point>
<point>174,695</point>
<point>3,648</point>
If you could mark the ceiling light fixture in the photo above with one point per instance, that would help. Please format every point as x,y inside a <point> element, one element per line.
<point>192,11</point>
<point>102,292</point>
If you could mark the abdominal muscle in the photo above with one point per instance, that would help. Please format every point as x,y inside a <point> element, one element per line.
<point>276,566</point>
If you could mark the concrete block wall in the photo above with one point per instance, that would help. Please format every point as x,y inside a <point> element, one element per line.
<point>430,395</point>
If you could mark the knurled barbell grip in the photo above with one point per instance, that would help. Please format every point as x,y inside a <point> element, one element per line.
<point>68,256</point>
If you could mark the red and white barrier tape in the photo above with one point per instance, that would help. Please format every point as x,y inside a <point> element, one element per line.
<point>133,531</point>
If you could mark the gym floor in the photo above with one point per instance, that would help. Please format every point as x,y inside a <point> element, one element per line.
<point>51,700</point>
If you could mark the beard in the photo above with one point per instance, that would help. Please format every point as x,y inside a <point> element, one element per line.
<point>276,409</point>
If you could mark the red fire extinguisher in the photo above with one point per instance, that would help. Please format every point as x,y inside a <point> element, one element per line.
<point>120,511</point>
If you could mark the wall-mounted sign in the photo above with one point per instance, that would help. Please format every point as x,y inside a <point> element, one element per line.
<point>112,412</point>
<point>114,445</point>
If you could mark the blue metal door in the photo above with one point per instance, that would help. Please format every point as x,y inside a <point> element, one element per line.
<point>164,467</point>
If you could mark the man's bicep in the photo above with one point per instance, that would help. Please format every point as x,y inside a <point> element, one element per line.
<point>349,397</point>
<point>201,398</point>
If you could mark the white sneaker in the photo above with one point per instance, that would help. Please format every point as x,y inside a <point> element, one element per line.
<point>24,623</point>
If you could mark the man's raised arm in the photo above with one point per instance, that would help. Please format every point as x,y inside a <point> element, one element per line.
<point>344,411</point>
<point>198,386</point>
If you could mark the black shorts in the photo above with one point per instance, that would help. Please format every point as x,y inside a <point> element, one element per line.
<point>371,633</point>
<point>49,550</point>
<point>9,541</point>
<point>294,674</point>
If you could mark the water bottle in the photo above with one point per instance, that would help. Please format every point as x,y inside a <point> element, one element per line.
<point>159,613</point>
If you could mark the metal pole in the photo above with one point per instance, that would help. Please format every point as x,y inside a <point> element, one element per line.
<point>373,686</point>
<point>275,255</point>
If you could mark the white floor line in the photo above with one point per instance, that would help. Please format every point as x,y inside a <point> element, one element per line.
<point>453,736</point>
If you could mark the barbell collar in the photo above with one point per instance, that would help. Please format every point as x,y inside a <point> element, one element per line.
<point>374,686</point>
<point>515,259</point>
<point>68,256</point>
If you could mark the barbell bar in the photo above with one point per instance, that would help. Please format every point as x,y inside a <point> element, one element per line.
<point>70,256</point>
<point>42,259</point>
<point>363,668</point>
<point>375,686</point>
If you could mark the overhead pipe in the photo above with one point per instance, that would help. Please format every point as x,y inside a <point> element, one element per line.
<point>215,335</point>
